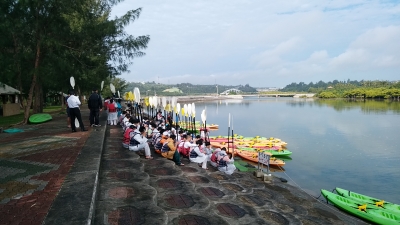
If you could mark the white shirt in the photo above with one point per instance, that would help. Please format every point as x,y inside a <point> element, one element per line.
<point>73,102</point>
<point>138,137</point>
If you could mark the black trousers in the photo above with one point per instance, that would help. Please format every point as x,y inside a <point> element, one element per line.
<point>94,116</point>
<point>76,113</point>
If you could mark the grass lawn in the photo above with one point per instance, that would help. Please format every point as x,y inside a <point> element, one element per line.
<point>7,121</point>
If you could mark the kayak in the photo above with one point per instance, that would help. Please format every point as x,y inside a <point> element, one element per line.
<point>221,144</point>
<point>13,130</point>
<point>244,166</point>
<point>271,152</point>
<point>253,156</point>
<point>250,142</point>
<point>371,213</point>
<point>390,207</point>
<point>40,118</point>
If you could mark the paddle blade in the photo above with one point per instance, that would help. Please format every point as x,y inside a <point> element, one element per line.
<point>126,96</point>
<point>76,123</point>
<point>189,109</point>
<point>185,108</point>
<point>136,91</point>
<point>146,101</point>
<point>193,110</point>
<point>203,116</point>
<point>112,88</point>
<point>155,101</point>
<point>72,82</point>
<point>102,85</point>
<point>119,95</point>
<point>178,108</point>
<point>164,102</point>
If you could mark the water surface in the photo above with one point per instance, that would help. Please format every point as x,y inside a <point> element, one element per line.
<point>335,143</point>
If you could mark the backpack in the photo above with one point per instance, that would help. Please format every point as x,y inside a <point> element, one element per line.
<point>221,162</point>
<point>165,147</point>
<point>133,141</point>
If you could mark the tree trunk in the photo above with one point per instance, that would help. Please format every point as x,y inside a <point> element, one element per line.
<point>38,103</point>
<point>34,78</point>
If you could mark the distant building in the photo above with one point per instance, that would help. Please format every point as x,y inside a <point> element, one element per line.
<point>172,90</point>
<point>229,91</point>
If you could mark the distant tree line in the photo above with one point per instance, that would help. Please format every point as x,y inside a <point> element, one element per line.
<point>349,89</point>
<point>187,88</point>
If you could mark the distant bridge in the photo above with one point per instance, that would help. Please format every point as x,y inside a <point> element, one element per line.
<point>294,95</point>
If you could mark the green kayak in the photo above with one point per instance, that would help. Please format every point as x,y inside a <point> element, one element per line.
<point>40,118</point>
<point>272,152</point>
<point>371,213</point>
<point>393,208</point>
<point>243,166</point>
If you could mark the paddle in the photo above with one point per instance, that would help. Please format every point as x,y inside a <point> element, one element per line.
<point>112,88</point>
<point>137,100</point>
<point>164,105</point>
<point>72,82</point>
<point>151,106</point>
<point>102,85</point>
<point>194,116</point>
<point>189,113</point>
<point>177,110</point>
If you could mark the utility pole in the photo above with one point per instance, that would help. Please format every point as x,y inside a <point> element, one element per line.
<point>217,89</point>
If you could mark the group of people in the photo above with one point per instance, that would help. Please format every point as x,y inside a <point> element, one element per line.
<point>171,143</point>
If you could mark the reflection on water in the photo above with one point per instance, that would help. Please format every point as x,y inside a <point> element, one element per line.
<point>367,106</point>
<point>335,143</point>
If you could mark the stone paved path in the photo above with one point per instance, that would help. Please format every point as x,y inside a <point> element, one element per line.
<point>33,166</point>
<point>134,190</point>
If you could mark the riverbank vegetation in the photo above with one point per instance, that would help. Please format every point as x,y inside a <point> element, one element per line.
<point>349,89</point>
<point>44,43</point>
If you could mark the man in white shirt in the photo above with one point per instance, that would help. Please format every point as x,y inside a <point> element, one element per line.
<point>73,104</point>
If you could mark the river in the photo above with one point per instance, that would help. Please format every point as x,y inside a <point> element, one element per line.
<point>335,143</point>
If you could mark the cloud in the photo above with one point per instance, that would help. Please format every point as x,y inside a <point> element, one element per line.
<point>266,43</point>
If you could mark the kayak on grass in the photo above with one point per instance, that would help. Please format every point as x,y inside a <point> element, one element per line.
<point>368,212</point>
<point>40,118</point>
<point>394,208</point>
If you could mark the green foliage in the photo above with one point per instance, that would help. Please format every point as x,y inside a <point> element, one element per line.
<point>327,94</point>
<point>44,43</point>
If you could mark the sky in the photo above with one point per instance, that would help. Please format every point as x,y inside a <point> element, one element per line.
<point>265,43</point>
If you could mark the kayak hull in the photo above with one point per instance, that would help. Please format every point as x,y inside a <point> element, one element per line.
<point>253,156</point>
<point>40,118</point>
<point>390,207</point>
<point>372,213</point>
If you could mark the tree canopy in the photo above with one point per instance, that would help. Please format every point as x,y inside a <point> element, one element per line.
<point>45,42</point>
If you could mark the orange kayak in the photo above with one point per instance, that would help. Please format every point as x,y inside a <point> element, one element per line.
<point>253,156</point>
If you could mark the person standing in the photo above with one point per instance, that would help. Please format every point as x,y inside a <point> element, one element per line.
<point>73,104</point>
<point>95,105</point>
<point>112,112</point>
<point>68,114</point>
